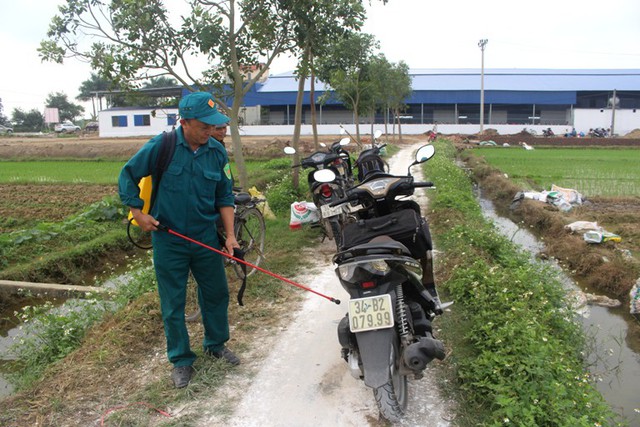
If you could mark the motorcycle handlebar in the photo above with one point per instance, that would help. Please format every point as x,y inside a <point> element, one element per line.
<point>423,184</point>
<point>354,195</point>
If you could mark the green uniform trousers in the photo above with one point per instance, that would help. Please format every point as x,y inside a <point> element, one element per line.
<point>173,258</point>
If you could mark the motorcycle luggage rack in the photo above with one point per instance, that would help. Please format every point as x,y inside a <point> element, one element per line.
<point>381,245</point>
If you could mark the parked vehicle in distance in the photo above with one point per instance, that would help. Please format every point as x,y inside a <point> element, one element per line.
<point>91,127</point>
<point>66,126</point>
<point>6,129</point>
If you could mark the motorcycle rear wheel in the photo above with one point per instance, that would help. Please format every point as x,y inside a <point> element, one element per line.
<point>392,397</point>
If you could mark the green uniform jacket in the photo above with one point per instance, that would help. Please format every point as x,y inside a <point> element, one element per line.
<point>192,189</point>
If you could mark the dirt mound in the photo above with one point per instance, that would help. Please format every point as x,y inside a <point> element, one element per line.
<point>634,134</point>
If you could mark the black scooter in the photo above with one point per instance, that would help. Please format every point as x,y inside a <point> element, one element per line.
<point>387,334</point>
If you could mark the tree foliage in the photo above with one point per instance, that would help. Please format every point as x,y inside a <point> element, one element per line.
<point>4,120</point>
<point>134,40</point>
<point>315,24</point>
<point>31,121</point>
<point>392,86</point>
<point>66,109</point>
<point>346,68</point>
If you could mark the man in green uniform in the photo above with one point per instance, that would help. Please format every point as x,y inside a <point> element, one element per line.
<point>194,192</point>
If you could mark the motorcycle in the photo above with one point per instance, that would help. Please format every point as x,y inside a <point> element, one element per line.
<point>548,132</point>
<point>370,160</point>
<point>337,160</point>
<point>598,133</point>
<point>387,336</point>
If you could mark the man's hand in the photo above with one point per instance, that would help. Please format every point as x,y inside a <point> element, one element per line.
<point>230,243</point>
<point>145,221</point>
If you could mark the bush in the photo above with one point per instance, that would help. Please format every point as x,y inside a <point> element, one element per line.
<point>281,194</point>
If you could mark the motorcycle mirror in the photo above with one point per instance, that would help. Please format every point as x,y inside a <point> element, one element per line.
<point>342,131</point>
<point>424,153</point>
<point>377,134</point>
<point>289,150</point>
<point>345,141</point>
<point>324,175</point>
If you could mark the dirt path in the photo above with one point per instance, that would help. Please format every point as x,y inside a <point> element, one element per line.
<point>303,381</point>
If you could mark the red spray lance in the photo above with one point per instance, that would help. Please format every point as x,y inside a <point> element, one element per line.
<point>241,261</point>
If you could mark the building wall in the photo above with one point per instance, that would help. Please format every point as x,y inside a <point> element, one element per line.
<point>158,121</point>
<point>626,120</point>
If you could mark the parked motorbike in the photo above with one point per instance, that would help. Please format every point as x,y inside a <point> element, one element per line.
<point>337,160</point>
<point>599,133</point>
<point>386,336</point>
<point>370,160</point>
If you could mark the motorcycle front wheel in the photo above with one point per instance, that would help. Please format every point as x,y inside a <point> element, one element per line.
<point>392,397</point>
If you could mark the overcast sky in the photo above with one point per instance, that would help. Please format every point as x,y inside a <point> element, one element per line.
<point>423,33</point>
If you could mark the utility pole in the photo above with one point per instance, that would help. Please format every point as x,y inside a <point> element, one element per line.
<point>481,44</point>
<point>613,113</point>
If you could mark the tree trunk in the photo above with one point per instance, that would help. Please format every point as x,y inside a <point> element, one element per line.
<point>312,103</point>
<point>235,136</point>
<point>296,131</point>
<point>399,127</point>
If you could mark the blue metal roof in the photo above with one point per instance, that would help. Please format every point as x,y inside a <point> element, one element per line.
<point>462,86</point>
<point>526,79</point>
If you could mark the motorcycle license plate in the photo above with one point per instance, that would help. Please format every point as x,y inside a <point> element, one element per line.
<point>329,211</point>
<point>366,314</point>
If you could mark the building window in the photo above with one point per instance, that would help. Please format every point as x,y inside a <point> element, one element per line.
<point>172,119</point>
<point>142,120</point>
<point>119,121</point>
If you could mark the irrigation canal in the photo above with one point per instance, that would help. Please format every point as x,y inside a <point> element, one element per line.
<point>614,334</point>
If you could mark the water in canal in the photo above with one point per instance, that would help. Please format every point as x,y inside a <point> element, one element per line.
<point>615,335</point>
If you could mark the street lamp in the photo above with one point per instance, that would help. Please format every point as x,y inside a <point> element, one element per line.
<point>481,44</point>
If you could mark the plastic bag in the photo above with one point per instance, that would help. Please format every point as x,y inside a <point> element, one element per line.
<point>582,226</point>
<point>303,213</point>
<point>570,195</point>
<point>600,237</point>
<point>634,297</point>
<point>264,206</point>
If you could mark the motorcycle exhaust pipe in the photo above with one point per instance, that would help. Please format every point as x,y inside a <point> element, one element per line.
<point>420,353</point>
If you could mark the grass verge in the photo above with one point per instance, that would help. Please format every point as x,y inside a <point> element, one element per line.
<point>516,349</point>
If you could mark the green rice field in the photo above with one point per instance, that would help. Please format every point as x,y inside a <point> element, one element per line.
<point>60,172</point>
<point>107,171</point>
<point>590,171</point>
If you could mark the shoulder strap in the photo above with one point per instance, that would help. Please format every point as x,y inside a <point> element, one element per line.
<point>165,155</point>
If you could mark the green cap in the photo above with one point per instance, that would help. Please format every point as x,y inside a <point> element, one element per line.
<point>202,107</point>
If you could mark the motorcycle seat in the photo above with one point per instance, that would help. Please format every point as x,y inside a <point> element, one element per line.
<point>379,245</point>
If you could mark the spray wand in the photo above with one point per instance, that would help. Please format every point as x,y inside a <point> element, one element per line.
<point>284,279</point>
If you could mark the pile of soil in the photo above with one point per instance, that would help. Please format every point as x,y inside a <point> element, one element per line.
<point>561,141</point>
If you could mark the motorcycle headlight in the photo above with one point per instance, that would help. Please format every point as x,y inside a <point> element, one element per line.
<point>364,270</point>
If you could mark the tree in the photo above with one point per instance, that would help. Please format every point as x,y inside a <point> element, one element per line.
<point>4,120</point>
<point>398,89</point>
<point>135,40</point>
<point>346,69</point>
<point>92,88</point>
<point>66,110</point>
<point>392,86</point>
<point>32,121</point>
<point>315,24</point>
